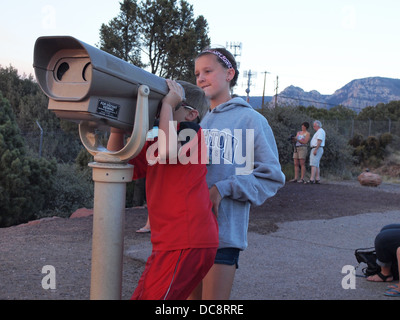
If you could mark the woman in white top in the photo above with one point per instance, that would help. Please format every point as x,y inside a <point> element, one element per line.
<point>300,152</point>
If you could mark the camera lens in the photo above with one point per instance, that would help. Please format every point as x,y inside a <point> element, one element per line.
<point>62,69</point>
<point>87,72</point>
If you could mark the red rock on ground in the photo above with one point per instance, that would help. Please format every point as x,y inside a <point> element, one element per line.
<point>81,213</point>
<point>369,179</point>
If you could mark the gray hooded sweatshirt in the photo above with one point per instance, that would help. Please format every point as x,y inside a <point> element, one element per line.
<point>243,165</point>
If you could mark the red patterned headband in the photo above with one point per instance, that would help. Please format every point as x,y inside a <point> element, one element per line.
<point>221,56</point>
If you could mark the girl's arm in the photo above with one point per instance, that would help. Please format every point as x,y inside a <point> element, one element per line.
<point>265,179</point>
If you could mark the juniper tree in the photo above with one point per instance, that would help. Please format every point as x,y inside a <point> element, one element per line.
<point>162,35</point>
<point>24,181</point>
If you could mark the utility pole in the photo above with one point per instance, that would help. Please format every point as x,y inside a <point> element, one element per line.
<point>276,92</point>
<point>249,74</point>
<point>265,81</point>
<point>236,47</point>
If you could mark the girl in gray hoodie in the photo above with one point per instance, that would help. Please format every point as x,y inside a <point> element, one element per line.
<point>243,168</point>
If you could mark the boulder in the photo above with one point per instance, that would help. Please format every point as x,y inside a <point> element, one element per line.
<point>370,179</point>
<point>81,213</point>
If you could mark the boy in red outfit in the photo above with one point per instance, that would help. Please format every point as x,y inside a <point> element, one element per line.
<point>184,231</point>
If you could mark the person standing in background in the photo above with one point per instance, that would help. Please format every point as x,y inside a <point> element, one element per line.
<point>317,150</point>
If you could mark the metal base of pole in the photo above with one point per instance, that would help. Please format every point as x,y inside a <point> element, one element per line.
<point>108,229</point>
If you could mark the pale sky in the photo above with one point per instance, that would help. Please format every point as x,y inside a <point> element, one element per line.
<point>313,44</point>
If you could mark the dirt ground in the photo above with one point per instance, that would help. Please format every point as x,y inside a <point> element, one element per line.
<point>66,243</point>
<point>324,201</point>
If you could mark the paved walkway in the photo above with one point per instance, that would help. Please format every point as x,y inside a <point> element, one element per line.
<point>304,260</point>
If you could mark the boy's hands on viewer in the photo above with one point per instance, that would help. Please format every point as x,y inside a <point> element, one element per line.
<point>175,95</point>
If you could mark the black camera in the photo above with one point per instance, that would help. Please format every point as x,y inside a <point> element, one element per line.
<point>292,137</point>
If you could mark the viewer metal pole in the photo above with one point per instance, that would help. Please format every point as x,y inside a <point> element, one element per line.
<point>108,229</point>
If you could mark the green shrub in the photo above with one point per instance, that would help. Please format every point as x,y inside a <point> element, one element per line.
<point>356,140</point>
<point>385,139</point>
<point>71,190</point>
<point>25,182</point>
<point>371,151</point>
